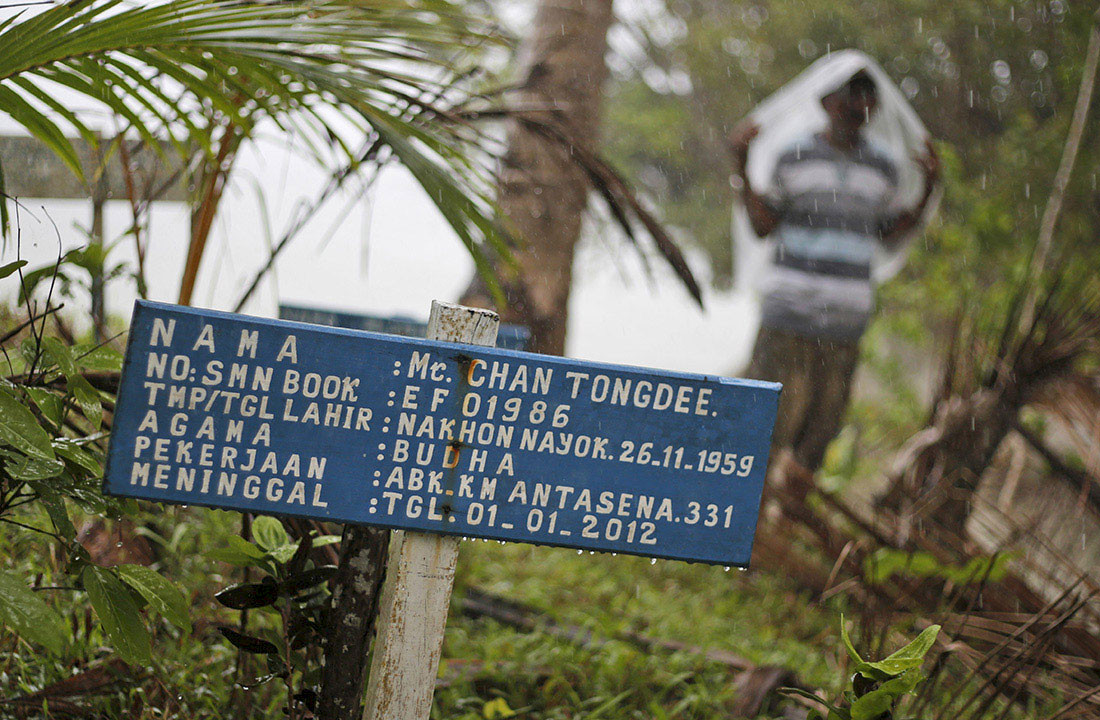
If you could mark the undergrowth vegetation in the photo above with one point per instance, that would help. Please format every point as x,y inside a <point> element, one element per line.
<point>488,669</point>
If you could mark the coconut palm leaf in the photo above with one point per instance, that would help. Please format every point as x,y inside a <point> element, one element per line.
<point>331,70</point>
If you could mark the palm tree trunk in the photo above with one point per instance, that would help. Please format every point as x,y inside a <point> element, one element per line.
<point>356,591</point>
<point>541,190</point>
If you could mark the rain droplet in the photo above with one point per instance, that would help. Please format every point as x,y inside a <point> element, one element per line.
<point>754,16</point>
<point>1039,59</point>
<point>734,46</point>
<point>1001,71</point>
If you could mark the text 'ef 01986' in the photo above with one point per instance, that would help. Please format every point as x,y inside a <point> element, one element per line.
<point>283,418</point>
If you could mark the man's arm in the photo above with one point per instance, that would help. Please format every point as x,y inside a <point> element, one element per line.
<point>897,227</point>
<point>761,215</point>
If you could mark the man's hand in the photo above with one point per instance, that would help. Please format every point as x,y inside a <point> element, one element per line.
<point>739,141</point>
<point>929,164</point>
<point>900,226</point>
<point>761,216</point>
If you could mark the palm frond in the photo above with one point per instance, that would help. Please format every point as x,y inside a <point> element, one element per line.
<point>330,69</point>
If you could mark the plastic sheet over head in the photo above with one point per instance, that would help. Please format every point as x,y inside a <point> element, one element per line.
<point>795,111</point>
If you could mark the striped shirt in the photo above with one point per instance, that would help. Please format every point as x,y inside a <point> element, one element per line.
<point>832,207</point>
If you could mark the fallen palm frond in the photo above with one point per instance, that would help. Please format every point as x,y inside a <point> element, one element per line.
<point>623,203</point>
<point>1074,402</point>
<point>62,698</point>
<point>1015,643</point>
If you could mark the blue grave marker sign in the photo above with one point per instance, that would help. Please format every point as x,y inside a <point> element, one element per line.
<point>284,418</point>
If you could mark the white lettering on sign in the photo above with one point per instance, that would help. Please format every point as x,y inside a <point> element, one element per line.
<point>248,343</point>
<point>640,393</point>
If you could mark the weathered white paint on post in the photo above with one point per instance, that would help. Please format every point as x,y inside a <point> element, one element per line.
<point>421,573</point>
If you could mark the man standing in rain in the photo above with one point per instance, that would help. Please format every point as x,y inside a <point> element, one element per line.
<point>831,217</point>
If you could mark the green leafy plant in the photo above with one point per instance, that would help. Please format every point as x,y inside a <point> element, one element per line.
<point>876,686</point>
<point>52,450</point>
<point>23,612</point>
<point>291,594</point>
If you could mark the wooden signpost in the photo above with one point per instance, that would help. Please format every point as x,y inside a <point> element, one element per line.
<point>419,576</point>
<point>440,438</point>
